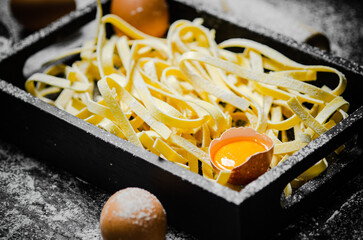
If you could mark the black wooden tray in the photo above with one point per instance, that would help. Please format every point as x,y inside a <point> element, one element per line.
<point>200,207</point>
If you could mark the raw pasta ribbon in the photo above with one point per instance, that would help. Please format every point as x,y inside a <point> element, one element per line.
<point>173,95</point>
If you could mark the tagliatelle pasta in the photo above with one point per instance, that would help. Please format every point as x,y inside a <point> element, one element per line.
<point>174,95</point>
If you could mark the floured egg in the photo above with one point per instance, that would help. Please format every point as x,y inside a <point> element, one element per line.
<point>244,152</point>
<point>133,213</point>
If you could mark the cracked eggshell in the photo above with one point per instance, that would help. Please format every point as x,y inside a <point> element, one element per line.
<point>256,165</point>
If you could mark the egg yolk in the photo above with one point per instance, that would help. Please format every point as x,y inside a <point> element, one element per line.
<point>235,153</point>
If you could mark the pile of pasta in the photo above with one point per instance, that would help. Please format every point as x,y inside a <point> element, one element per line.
<point>173,95</point>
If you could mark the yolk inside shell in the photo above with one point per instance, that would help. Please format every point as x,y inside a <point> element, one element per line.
<point>235,153</point>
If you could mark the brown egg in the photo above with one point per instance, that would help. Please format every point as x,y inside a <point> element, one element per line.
<point>244,152</point>
<point>36,14</point>
<point>148,16</point>
<point>133,214</point>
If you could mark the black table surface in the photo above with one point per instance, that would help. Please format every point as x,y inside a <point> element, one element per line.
<point>39,201</point>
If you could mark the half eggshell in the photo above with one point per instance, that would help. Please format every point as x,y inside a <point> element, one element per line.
<point>256,165</point>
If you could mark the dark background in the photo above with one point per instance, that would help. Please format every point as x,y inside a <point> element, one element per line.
<point>39,201</point>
